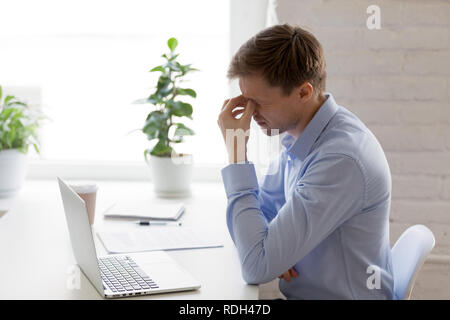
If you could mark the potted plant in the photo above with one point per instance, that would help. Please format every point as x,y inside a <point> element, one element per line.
<point>171,171</point>
<point>18,130</point>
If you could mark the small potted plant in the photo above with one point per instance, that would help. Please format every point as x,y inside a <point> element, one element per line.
<point>171,171</point>
<point>18,130</point>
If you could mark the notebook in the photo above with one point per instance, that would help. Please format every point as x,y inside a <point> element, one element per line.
<point>158,238</point>
<point>145,210</point>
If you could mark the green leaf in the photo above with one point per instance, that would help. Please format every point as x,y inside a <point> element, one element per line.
<point>36,148</point>
<point>156,116</point>
<point>188,92</point>
<point>173,57</point>
<point>17,118</point>
<point>177,139</point>
<point>172,43</point>
<point>17,102</point>
<point>163,93</point>
<point>155,125</point>
<point>186,68</point>
<point>163,88</point>
<point>1,94</point>
<point>146,153</point>
<point>12,135</point>
<point>182,109</point>
<point>151,132</point>
<point>172,66</point>
<point>163,82</point>
<point>7,99</point>
<point>182,130</point>
<point>153,99</point>
<point>142,101</point>
<point>163,134</point>
<point>158,68</point>
<point>151,128</point>
<point>8,111</point>
<point>161,149</point>
<point>24,149</point>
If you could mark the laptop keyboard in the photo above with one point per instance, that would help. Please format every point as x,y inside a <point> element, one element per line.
<point>121,273</point>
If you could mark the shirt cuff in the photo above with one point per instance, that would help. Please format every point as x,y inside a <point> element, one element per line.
<point>239,177</point>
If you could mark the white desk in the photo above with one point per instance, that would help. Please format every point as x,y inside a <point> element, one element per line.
<point>36,259</point>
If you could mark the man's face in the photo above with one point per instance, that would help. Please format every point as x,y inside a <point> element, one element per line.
<point>273,110</point>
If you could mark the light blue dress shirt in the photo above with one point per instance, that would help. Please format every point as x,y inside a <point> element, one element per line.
<point>323,209</point>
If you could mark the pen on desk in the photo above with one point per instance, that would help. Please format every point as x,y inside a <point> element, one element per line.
<point>157,223</point>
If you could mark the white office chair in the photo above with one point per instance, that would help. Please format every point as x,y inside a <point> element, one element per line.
<point>408,255</point>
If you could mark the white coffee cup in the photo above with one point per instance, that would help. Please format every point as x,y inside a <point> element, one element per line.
<point>88,192</point>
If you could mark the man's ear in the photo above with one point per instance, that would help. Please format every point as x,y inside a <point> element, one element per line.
<point>305,92</point>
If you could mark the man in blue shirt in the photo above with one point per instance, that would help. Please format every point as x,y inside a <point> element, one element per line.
<point>319,219</point>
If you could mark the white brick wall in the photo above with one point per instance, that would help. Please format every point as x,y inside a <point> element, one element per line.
<point>446,189</point>
<point>397,80</point>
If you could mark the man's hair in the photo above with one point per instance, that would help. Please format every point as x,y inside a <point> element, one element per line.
<point>287,56</point>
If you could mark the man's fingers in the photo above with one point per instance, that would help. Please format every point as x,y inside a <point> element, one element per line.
<point>235,102</point>
<point>225,103</point>
<point>248,112</point>
<point>293,273</point>
<point>237,111</point>
<point>286,276</point>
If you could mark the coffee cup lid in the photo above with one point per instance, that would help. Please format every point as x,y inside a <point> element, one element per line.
<point>83,186</point>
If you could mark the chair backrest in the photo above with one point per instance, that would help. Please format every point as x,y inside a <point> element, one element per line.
<point>408,255</point>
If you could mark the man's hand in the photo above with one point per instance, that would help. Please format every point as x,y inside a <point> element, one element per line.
<point>291,273</point>
<point>236,131</point>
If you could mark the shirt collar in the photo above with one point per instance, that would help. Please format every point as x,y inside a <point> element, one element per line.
<point>302,146</point>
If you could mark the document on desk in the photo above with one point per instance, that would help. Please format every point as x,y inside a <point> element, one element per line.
<point>158,238</point>
<point>145,209</point>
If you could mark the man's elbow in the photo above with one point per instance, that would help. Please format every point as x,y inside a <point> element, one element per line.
<point>250,279</point>
<point>252,276</point>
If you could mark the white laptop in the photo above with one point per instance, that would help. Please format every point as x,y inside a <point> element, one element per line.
<point>120,275</point>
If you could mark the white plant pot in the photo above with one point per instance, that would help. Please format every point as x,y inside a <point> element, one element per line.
<point>13,170</point>
<point>171,176</point>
